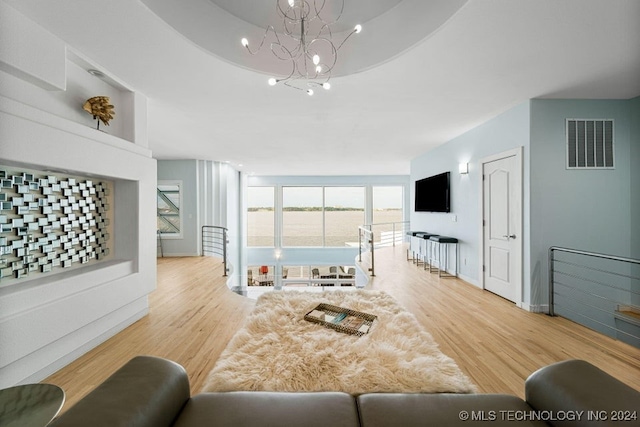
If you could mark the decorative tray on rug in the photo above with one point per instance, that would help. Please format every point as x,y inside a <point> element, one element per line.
<point>341,319</point>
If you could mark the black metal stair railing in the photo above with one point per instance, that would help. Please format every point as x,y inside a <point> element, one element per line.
<point>596,290</point>
<point>214,242</point>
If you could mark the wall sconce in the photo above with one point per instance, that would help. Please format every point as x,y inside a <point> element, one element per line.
<point>278,254</point>
<point>463,168</point>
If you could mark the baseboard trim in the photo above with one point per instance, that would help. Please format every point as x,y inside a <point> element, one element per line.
<point>178,254</point>
<point>469,280</point>
<point>535,308</point>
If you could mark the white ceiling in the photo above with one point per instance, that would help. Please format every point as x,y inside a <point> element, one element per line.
<point>414,80</point>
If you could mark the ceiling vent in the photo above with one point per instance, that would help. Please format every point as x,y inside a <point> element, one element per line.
<point>590,144</point>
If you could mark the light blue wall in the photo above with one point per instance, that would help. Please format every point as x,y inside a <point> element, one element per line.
<point>635,195</point>
<point>506,131</point>
<point>185,171</point>
<point>594,210</point>
<point>211,196</point>
<point>635,177</point>
<point>582,209</point>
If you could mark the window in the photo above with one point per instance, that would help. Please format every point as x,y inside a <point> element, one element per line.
<point>260,216</point>
<point>590,144</point>
<point>300,215</point>
<point>387,204</point>
<point>387,209</point>
<point>169,202</point>
<point>321,216</point>
<point>343,214</point>
<point>302,222</point>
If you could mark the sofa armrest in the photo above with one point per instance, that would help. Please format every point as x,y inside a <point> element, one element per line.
<point>145,392</point>
<point>576,385</point>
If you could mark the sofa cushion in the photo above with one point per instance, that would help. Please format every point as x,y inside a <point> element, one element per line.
<point>269,409</point>
<point>580,387</point>
<point>408,410</point>
<point>146,392</point>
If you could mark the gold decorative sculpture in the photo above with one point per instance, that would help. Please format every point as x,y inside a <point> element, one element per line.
<point>100,108</point>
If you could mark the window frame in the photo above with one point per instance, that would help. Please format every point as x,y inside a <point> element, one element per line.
<point>180,186</point>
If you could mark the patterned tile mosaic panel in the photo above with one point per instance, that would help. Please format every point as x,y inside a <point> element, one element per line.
<point>50,221</point>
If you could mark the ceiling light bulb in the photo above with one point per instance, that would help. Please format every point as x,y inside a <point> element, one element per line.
<point>358,28</point>
<point>318,69</point>
<point>326,85</point>
<point>316,59</point>
<point>272,81</point>
<point>310,92</point>
<point>244,42</point>
<point>292,3</point>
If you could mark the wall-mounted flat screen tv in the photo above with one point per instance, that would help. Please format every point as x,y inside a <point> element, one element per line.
<point>432,194</point>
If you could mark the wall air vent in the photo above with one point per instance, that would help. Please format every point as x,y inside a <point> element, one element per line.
<point>590,144</point>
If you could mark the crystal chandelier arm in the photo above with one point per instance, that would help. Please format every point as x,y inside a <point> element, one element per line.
<point>357,29</point>
<point>288,83</point>
<point>264,37</point>
<point>319,11</point>
<point>308,90</point>
<point>326,29</point>
<point>303,8</point>
<point>290,58</point>
<point>329,61</point>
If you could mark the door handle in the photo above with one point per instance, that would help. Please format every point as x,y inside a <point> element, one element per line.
<point>511,236</point>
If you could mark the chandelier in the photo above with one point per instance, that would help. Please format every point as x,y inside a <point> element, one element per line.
<point>305,42</point>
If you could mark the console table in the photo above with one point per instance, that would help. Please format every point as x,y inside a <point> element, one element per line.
<point>33,405</point>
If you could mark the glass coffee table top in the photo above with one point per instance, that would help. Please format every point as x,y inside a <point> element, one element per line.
<point>30,405</point>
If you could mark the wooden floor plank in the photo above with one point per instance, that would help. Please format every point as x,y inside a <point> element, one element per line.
<point>193,315</point>
<point>496,343</point>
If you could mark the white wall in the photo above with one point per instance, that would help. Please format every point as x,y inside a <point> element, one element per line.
<point>48,321</point>
<point>234,220</point>
<point>507,131</point>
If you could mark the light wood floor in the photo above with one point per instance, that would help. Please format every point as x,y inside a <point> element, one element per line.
<point>194,315</point>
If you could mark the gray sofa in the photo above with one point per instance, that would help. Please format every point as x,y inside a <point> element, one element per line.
<point>154,392</point>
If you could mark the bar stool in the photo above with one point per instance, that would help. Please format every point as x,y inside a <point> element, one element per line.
<point>442,250</point>
<point>413,245</point>
<point>425,246</point>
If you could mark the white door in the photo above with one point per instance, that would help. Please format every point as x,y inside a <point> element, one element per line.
<point>502,227</point>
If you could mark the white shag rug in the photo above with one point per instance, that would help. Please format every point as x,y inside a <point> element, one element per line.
<point>277,350</point>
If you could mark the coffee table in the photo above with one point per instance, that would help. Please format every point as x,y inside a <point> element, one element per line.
<point>32,405</point>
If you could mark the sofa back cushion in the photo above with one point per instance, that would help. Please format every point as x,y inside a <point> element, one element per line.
<point>269,409</point>
<point>441,410</point>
